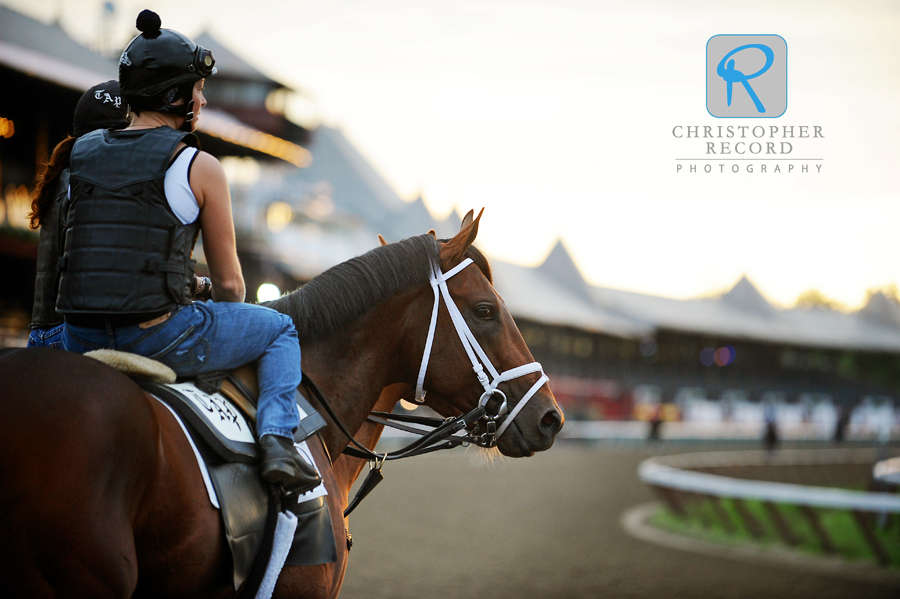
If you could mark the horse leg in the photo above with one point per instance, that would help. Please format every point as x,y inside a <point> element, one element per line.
<point>75,447</point>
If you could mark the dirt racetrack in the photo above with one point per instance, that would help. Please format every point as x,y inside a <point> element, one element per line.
<point>449,526</point>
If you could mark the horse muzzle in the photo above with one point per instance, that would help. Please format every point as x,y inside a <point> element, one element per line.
<point>519,434</point>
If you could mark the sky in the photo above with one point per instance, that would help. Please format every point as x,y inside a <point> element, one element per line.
<point>559,118</point>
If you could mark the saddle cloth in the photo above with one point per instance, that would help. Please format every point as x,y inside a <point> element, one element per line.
<point>224,441</point>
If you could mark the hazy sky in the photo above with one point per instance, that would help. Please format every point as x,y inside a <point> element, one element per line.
<point>557,117</point>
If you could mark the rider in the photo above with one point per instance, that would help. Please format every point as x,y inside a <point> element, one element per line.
<point>100,107</point>
<point>139,198</point>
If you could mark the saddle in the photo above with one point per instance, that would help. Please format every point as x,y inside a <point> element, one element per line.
<point>219,411</point>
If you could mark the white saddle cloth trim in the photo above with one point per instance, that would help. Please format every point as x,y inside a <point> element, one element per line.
<point>204,472</point>
<point>302,449</point>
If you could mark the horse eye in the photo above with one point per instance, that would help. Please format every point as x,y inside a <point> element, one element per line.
<point>484,312</point>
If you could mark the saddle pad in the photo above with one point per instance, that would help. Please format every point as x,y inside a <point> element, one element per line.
<point>243,502</point>
<point>134,365</point>
<point>219,421</point>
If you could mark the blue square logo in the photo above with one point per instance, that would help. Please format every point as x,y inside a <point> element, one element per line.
<point>746,76</point>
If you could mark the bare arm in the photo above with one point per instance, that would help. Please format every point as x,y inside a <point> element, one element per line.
<point>210,187</point>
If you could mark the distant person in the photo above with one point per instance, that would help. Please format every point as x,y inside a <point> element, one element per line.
<point>656,421</point>
<point>770,435</point>
<point>100,107</point>
<point>841,424</point>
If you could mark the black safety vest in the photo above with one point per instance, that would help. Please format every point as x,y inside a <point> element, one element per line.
<point>44,313</point>
<point>125,250</point>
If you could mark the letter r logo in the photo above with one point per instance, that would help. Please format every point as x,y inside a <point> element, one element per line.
<point>746,76</point>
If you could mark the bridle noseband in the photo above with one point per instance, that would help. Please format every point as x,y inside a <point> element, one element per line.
<point>479,360</point>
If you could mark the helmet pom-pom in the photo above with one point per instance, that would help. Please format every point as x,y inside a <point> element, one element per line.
<point>149,23</point>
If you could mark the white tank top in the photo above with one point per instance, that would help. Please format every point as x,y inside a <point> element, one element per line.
<point>178,186</point>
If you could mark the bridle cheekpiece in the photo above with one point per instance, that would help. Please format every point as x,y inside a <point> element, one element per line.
<point>479,360</point>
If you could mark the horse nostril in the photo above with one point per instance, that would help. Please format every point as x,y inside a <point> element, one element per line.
<point>551,423</point>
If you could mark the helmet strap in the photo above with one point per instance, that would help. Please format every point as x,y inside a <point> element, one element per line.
<point>188,117</point>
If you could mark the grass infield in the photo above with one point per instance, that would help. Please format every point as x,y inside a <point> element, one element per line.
<point>705,522</point>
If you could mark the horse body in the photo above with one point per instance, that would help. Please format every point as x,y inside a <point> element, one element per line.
<point>100,493</point>
<point>91,485</point>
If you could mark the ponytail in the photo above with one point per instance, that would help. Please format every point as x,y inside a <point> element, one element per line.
<point>45,182</point>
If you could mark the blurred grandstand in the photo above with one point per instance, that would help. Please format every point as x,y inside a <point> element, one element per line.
<point>306,199</point>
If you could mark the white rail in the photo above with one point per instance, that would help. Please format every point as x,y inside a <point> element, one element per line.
<point>677,475</point>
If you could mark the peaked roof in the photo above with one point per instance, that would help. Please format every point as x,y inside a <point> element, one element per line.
<point>414,219</point>
<point>881,310</point>
<point>50,40</point>
<point>530,293</point>
<point>358,187</point>
<point>560,268</point>
<point>742,313</point>
<point>47,52</point>
<point>448,227</point>
<point>745,296</point>
<point>556,293</point>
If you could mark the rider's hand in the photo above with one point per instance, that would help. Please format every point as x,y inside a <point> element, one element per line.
<point>201,289</point>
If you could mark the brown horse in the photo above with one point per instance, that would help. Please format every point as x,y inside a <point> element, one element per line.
<point>100,494</point>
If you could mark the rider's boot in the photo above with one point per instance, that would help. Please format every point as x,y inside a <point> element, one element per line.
<point>282,465</point>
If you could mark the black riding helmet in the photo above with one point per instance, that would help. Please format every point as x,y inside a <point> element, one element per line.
<point>159,66</point>
<point>101,107</point>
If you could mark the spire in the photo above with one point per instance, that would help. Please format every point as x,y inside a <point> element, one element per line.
<point>561,268</point>
<point>745,296</point>
<point>881,309</point>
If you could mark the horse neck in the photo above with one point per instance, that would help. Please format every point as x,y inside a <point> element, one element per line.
<point>353,366</point>
<point>347,469</point>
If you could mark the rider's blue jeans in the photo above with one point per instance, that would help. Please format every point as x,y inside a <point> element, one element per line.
<point>46,337</point>
<point>209,336</point>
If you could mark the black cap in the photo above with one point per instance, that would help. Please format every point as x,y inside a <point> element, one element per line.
<point>101,107</point>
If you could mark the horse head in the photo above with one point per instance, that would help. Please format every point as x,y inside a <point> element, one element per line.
<point>375,321</point>
<point>483,360</point>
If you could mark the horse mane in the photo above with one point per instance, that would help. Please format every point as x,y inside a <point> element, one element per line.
<point>348,290</point>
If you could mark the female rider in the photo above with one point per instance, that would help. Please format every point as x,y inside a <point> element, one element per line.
<point>139,198</point>
<point>99,107</point>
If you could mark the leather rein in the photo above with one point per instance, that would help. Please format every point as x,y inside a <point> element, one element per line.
<point>488,427</point>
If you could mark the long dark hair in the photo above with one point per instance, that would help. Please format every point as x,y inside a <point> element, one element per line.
<point>45,182</point>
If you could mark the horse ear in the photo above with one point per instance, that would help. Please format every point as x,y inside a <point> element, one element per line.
<point>381,240</point>
<point>454,250</point>
<point>432,232</point>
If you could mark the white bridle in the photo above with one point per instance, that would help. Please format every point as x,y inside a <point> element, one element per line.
<point>476,354</point>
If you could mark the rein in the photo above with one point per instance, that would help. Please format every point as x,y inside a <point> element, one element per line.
<point>443,428</point>
<point>443,432</point>
<point>428,442</point>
